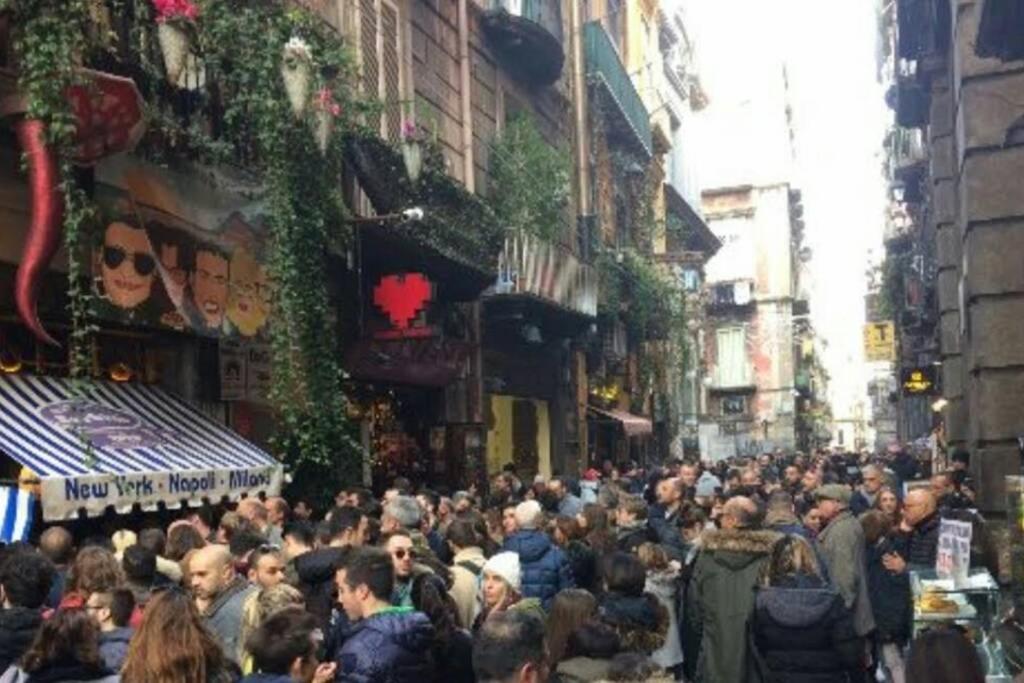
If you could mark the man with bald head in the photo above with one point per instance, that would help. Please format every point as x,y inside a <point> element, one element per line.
<point>918,535</point>
<point>721,594</point>
<point>221,594</point>
<point>663,516</point>
<point>57,545</point>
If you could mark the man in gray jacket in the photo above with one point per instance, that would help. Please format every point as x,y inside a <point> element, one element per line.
<point>221,594</point>
<point>842,545</point>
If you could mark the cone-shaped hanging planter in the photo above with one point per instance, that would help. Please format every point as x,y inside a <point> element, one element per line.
<point>174,45</point>
<point>323,126</point>
<point>412,155</point>
<point>297,72</point>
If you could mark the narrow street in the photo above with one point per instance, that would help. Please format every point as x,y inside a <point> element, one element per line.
<point>411,341</point>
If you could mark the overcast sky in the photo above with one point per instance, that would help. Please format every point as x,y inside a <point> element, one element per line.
<point>839,113</point>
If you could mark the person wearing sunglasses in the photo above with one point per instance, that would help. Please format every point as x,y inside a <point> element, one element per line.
<point>399,547</point>
<point>126,265</point>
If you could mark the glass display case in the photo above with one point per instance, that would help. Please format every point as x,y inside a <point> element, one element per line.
<point>972,606</point>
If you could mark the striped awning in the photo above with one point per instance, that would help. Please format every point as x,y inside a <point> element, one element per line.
<point>632,425</point>
<point>119,445</point>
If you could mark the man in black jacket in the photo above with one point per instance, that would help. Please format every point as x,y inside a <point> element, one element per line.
<point>315,569</point>
<point>25,578</point>
<point>918,536</point>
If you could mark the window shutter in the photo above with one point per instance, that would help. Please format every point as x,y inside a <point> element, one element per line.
<point>732,357</point>
<point>391,71</point>
<point>369,57</point>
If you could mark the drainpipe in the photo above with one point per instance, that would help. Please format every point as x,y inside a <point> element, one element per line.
<point>466,96</point>
<point>579,101</point>
<point>579,98</point>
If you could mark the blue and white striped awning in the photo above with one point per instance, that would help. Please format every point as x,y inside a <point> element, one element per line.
<point>121,444</point>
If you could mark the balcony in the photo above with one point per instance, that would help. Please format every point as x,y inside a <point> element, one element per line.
<point>628,118</point>
<point>724,296</point>
<point>908,153</point>
<point>527,36</point>
<point>532,268</point>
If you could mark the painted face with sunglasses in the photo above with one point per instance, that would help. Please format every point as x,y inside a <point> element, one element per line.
<point>127,267</point>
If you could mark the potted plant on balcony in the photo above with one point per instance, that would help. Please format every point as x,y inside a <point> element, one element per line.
<point>297,72</point>
<point>174,18</point>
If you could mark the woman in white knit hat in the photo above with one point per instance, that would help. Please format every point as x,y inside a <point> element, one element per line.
<point>501,589</point>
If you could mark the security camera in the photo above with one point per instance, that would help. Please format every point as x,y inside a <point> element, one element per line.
<point>413,214</point>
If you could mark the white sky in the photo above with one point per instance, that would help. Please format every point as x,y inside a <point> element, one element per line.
<point>829,48</point>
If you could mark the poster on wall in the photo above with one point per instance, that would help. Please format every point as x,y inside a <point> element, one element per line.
<point>179,250</point>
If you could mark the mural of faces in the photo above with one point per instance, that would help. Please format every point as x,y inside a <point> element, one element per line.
<point>210,286</point>
<point>126,265</point>
<point>171,260</point>
<point>248,298</point>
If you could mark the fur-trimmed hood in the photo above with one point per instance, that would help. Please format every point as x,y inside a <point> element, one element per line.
<point>736,548</point>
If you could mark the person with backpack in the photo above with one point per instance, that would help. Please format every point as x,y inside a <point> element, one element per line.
<point>467,565</point>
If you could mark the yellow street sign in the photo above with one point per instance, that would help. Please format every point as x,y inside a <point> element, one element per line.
<point>880,342</point>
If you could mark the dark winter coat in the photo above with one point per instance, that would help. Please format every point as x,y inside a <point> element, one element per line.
<point>720,600</point>
<point>920,545</point>
<point>455,663</point>
<point>315,570</point>
<point>545,569</point>
<point>665,531</point>
<point>802,633</point>
<point>890,594</point>
<point>641,622</point>
<point>18,626</point>
<point>114,647</point>
<point>583,564</point>
<point>859,503</point>
<point>628,539</point>
<point>392,646</point>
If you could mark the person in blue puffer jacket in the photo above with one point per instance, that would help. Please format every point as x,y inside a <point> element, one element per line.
<point>545,568</point>
<point>386,644</point>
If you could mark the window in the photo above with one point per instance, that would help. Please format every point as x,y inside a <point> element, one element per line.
<point>614,20</point>
<point>732,369</point>
<point>691,279</point>
<point>380,60</point>
<point>734,405</point>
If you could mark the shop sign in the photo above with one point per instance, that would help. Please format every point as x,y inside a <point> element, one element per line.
<point>918,381</point>
<point>179,250</point>
<point>953,558</point>
<point>244,370</point>
<point>880,342</point>
<point>63,496</point>
<point>420,362</point>
<point>403,298</point>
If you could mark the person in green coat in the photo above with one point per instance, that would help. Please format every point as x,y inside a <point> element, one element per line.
<point>720,595</point>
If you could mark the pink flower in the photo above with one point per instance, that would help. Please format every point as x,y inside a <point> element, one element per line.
<point>410,131</point>
<point>325,102</point>
<point>175,9</point>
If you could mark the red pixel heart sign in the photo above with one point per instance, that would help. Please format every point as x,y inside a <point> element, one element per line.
<point>402,297</point>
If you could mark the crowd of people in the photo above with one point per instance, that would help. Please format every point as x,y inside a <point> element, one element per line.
<point>776,568</point>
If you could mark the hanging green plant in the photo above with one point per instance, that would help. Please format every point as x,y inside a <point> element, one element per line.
<point>530,178</point>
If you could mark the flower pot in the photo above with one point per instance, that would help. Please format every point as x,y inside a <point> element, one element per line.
<point>323,126</point>
<point>174,46</point>
<point>298,76</point>
<point>412,155</point>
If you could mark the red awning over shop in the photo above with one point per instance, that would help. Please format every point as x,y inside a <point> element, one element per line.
<point>633,425</point>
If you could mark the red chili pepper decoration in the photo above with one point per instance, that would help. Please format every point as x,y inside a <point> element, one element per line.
<point>44,232</point>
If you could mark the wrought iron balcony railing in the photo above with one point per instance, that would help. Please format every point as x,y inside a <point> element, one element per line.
<point>531,266</point>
